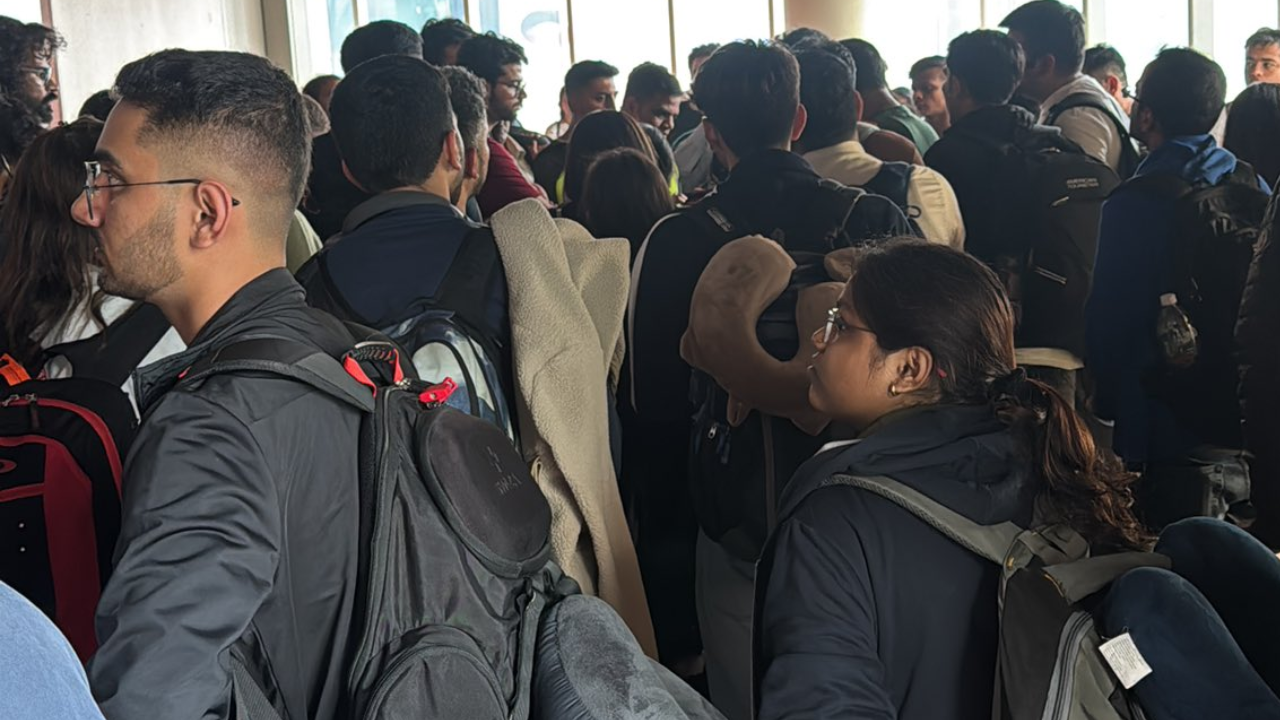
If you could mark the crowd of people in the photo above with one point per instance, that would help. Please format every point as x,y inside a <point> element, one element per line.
<point>812,374</point>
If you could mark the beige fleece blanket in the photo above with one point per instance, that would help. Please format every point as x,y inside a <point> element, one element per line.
<point>567,297</point>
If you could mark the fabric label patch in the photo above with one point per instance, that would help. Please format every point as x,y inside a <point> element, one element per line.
<point>1125,660</point>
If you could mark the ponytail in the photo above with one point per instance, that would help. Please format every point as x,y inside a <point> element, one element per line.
<point>1084,489</point>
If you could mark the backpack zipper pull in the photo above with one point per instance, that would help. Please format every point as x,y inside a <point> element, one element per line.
<point>33,412</point>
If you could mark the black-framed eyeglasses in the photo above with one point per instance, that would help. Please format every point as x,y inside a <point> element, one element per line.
<point>44,72</point>
<point>517,86</point>
<point>836,325</point>
<point>97,179</point>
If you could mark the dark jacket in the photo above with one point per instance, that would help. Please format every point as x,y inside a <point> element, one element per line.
<point>240,521</point>
<point>549,166</point>
<point>330,195</point>
<point>967,157</point>
<point>1258,335</point>
<point>392,254</point>
<point>1135,254</point>
<point>768,194</point>
<point>863,610</point>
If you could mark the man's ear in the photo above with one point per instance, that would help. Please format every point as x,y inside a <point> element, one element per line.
<point>629,106</point>
<point>797,125</point>
<point>471,171</point>
<point>346,172</point>
<point>213,214</point>
<point>718,146</point>
<point>453,153</point>
<point>1112,84</point>
<point>858,104</point>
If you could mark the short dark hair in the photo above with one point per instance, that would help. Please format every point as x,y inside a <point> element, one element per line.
<point>1105,59</point>
<point>440,34</point>
<point>467,95</point>
<point>989,64</point>
<point>238,109</point>
<point>793,39</point>
<point>99,105</point>
<point>312,88</point>
<point>1185,91</point>
<point>382,37</point>
<point>585,72</point>
<point>1264,37</point>
<point>702,51</point>
<point>935,62</point>
<point>827,83</point>
<point>871,67</point>
<point>486,55</point>
<point>1050,28</point>
<point>649,80</point>
<point>390,117</point>
<point>17,41</point>
<point>750,92</point>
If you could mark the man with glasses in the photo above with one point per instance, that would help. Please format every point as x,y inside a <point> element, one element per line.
<point>239,526</point>
<point>28,88</point>
<point>500,63</point>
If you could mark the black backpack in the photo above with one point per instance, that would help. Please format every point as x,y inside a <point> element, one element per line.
<point>738,473</point>
<point>894,182</point>
<point>1045,238</point>
<point>449,334</point>
<point>455,571</point>
<point>62,449</point>
<point>1129,157</point>
<point>1217,229</point>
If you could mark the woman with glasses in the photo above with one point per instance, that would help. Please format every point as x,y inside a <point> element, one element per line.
<point>49,295</point>
<point>863,610</point>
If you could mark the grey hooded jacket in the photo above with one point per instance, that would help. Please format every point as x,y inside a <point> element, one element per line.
<point>240,503</point>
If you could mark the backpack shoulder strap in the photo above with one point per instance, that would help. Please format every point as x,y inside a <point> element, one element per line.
<point>712,220</point>
<point>286,358</point>
<point>468,283</point>
<point>830,210</point>
<point>892,181</point>
<point>1083,100</point>
<point>992,542</point>
<point>113,354</point>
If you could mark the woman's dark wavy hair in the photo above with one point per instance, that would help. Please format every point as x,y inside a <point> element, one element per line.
<point>46,272</point>
<point>914,294</point>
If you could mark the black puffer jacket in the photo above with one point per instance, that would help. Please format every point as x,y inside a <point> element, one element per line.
<point>863,610</point>
<point>240,521</point>
<point>1258,336</point>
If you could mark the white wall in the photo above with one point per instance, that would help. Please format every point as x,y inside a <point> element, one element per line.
<point>104,35</point>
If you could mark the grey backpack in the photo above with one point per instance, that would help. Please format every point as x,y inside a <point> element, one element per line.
<point>1048,666</point>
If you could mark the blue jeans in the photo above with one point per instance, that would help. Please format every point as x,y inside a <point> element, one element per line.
<point>40,676</point>
<point>1207,628</point>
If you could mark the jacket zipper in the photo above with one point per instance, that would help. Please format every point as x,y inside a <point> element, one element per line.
<point>1064,671</point>
<point>770,476</point>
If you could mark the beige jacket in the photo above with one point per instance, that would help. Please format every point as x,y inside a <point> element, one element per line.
<point>567,297</point>
<point>939,211</point>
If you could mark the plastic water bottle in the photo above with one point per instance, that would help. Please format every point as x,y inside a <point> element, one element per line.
<point>1179,341</point>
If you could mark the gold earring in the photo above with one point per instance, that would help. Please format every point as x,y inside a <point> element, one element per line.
<point>893,391</point>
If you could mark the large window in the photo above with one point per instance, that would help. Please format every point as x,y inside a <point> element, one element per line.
<point>541,27</point>
<point>934,23</point>
<point>628,32</point>
<point>1232,29</point>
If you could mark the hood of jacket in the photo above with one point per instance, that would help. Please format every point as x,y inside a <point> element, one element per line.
<point>960,456</point>
<point>1194,158</point>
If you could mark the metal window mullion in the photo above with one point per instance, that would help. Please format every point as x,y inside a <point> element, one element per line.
<point>359,12</point>
<point>671,27</point>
